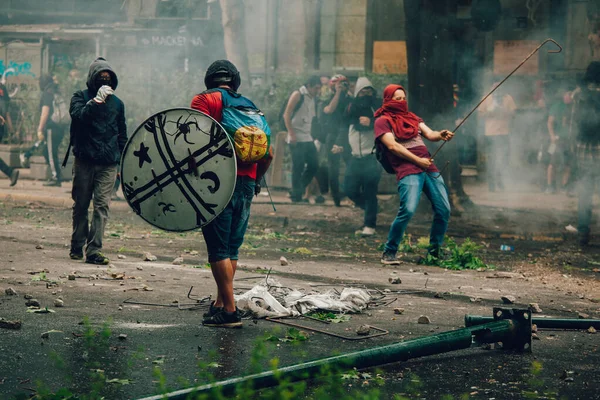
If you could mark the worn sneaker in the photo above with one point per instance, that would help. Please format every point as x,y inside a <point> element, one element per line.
<point>389,259</point>
<point>98,259</point>
<point>212,310</point>
<point>52,183</point>
<point>224,319</point>
<point>14,177</point>
<point>75,255</point>
<point>367,231</point>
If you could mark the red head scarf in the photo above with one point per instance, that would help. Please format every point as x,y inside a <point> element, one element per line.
<point>404,123</point>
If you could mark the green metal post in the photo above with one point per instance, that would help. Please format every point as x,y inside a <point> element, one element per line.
<point>505,331</point>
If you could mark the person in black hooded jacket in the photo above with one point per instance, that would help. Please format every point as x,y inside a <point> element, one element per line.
<point>98,137</point>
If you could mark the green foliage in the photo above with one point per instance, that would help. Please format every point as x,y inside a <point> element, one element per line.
<point>457,257</point>
<point>330,317</point>
<point>292,335</point>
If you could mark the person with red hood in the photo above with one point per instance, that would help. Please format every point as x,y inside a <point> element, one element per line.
<point>402,132</point>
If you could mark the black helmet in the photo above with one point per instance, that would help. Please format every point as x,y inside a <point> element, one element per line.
<point>222,72</point>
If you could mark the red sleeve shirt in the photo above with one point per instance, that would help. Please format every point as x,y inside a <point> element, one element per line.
<point>401,166</point>
<point>212,104</point>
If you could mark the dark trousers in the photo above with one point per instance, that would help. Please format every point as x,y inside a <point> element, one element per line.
<point>498,149</point>
<point>586,187</point>
<point>54,138</point>
<point>360,185</point>
<point>5,168</point>
<point>333,170</point>
<point>90,181</point>
<point>304,167</point>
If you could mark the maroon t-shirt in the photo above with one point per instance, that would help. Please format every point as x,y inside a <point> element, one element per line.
<point>401,166</point>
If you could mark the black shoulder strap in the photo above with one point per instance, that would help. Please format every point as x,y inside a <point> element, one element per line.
<point>86,98</point>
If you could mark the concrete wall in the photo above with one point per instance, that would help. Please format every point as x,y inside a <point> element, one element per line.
<point>350,37</point>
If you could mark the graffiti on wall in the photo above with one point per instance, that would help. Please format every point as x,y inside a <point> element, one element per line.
<point>172,41</point>
<point>20,62</point>
<point>16,68</point>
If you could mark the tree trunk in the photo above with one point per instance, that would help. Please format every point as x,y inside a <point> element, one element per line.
<point>234,35</point>
<point>431,54</point>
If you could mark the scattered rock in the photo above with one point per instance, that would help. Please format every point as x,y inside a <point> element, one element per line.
<point>120,308</point>
<point>39,246</point>
<point>149,257</point>
<point>534,336</point>
<point>583,315</point>
<point>424,319</point>
<point>32,303</point>
<point>399,311</point>
<point>121,256</point>
<point>591,330</point>
<point>122,336</point>
<point>10,292</point>
<point>395,281</point>
<point>501,275</point>
<point>534,328</point>
<point>475,300</point>
<point>535,308</point>
<point>72,277</point>
<point>387,291</point>
<point>59,303</point>
<point>283,261</point>
<point>487,346</point>
<point>363,330</point>
<point>178,261</point>
<point>6,324</point>
<point>508,299</point>
<point>28,296</point>
<point>139,268</point>
<point>569,379</point>
<point>170,242</point>
<point>438,295</point>
<point>12,268</point>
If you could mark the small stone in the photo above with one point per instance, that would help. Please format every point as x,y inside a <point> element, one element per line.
<point>475,300</point>
<point>535,336</point>
<point>387,291</point>
<point>72,277</point>
<point>591,330</point>
<point>28,296</point>
<point>569,379</point>
<point>487,346</point>
<point>194,253</point>
<point>363,330</point>
<point>46,335</point>
<point>508,299</point>
<point>121,256</point>
<point>283,261</point>
<point>438,295</point>
<point>10,292</point>
<point>39,246</point>
<point>59,303</point>
<point>535,308</point>
<point>424,319</point>
<point>139,268</point>
<point>170,242</point>
<point>395,281</point>
<point>122,336</point>
<point>583,315</point>
<point>43,237</point>
<point>534,328</point>
<point>149,257</point>
<point>177,261</point>
<point>32,303</point>
<point>120,308</point>
<point>399,311</point>
<point>6,324</point>
<point>12,268</point>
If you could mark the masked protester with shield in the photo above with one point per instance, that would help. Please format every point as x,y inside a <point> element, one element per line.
<point>225,234</point>
<point>587,115</point>
<point>98,137</point>
<point>401,132</point>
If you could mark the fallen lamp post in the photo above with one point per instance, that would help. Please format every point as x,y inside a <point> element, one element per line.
<point>510,327</point>
<point>542,322</point>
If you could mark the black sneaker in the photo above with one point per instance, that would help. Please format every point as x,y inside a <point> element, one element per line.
<point>14,177</point>
<point>224,319</point>
<point>76,255</point>
<point>98,259</point>
<point>212,310</point>
<point>389,259</point>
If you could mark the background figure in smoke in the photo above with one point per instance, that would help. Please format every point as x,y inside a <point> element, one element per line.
<point>401,131</point>
<point>559,116</point>
<point>336,130</point>
<point>98,136</point>
<point>299,117</point>
<point>6,127</point>
<point>498,112</point>
<point>52,125</point>
<point>363,172</point>
<point>587,117</point>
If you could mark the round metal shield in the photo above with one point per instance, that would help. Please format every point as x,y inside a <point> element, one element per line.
<point>178,170</point>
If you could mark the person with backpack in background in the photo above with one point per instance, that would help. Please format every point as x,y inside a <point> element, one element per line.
<point>54,119</point>
<point>225,234</point>
<point>98,136</point>
<point>299,117</point>
<point>363,172</point>
<point>400,132</point>
<point>335,129</point>
<point>6,127</point>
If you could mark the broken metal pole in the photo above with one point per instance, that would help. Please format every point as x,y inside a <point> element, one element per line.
<point>511,327</point>
<point>542,322</point>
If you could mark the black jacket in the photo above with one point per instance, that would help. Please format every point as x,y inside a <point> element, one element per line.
<point>588,118</point>
<point>98,131</point>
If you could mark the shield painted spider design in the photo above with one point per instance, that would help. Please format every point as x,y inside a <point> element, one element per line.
<point>183,128</point>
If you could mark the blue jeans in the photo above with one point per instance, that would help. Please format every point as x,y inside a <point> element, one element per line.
<point>225,234</point>
<point>410,188</point>
<point>360,185</point>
